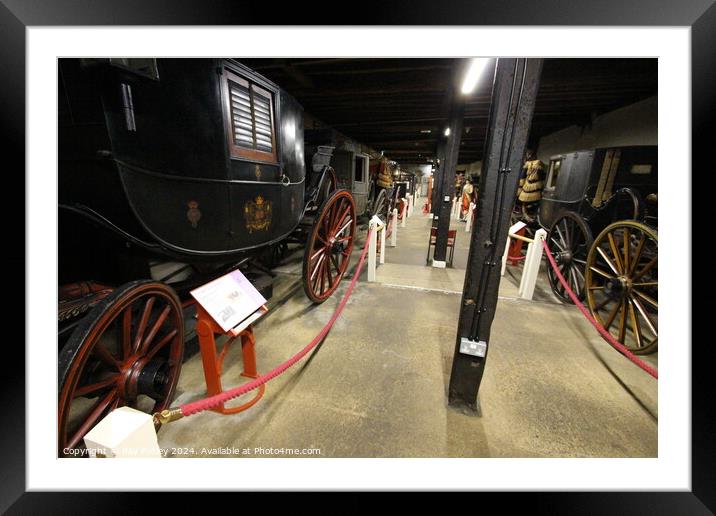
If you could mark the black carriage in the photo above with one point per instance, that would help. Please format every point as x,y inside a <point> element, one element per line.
<point>173,172</point>
<point>600,209</point>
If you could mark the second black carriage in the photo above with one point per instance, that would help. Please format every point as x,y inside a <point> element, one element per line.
<point>600,209</point>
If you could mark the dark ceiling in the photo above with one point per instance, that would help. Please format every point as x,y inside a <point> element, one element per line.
<point>390,104</point>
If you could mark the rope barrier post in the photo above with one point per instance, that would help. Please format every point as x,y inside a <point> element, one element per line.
<point>383,236</point>
<point>394,228</point>
<point>410,205</point>
<point>468,224</point>
<point>453,211</point>
<point>532,265</point>
<point>504,257</point>
<point>403,213</point>
<point>372,248</point>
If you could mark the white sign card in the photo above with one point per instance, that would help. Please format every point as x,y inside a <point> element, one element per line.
<point>229,299</point>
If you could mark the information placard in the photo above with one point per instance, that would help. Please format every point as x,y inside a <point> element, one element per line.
<point>229,299</point>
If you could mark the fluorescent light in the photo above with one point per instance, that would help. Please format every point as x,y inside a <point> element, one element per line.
<point>447,131</point>
<point>477,65</point>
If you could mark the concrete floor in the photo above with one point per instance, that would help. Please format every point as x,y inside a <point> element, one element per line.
<point>377,385</point>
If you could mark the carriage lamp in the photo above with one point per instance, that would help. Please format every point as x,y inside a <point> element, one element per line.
<point>447,131</point>
<point>474,72</point>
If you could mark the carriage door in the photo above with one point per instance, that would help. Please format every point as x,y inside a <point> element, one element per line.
<point>360,181</point>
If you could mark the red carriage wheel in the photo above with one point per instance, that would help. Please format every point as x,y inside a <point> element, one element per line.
<point>329,247</point>
<point>126,352</point>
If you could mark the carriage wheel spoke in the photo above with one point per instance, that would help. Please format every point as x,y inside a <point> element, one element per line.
<point>105,356</point>
<point>127,333</point>
<point>143,323</point>
<point>87,425</point>
<point>622,322</point>
<point>646,284</point>
<point>644,314</point>
<point>646,298</point>
<point>627,243</point>
<point>576,288</point>
<point>602,303</point>
<point>636,329</point>
<point>637,254</point>
<point>561,237</point>
<point>646,269</point>
<point>554,240</point>
<point>612,315</point>
<point>615,252</point>
<point>601,272</point>
<point>88,389</point>
<point>168,337</point>
<point>155,328</point>
<point>608,260</point>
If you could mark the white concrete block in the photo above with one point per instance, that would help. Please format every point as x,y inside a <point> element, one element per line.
<point>124,433</point>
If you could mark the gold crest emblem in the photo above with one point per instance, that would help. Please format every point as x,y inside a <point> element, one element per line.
<point>257,214</point>
<point>257,172</point>
<point>193,214</point>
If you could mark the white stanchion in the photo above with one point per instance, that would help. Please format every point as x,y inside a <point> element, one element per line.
<point>403,214</point>
<point>532,263</point>
<point>382,240</point>
<point>468,224</point>
<point>124,433</point>
<point>375,226</point>
<point>453,211</point>
<point>394,228</point>
<point>411,204</point>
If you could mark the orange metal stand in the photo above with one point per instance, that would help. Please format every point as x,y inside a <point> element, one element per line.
<point>516,247</point>
<point>206,329</point>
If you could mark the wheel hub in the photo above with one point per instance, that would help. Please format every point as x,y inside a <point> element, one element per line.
<point>565,257</point>
<point>617,287</point>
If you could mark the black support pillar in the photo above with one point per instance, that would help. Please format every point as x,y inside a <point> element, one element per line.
<point>444,206</point>
<point>513,97</point>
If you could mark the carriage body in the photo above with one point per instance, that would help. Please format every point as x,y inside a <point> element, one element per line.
<point>602,185</point>
<point>351,168</point>
<point>200,160</point>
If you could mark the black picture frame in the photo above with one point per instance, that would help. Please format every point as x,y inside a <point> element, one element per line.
<point>17,15</point>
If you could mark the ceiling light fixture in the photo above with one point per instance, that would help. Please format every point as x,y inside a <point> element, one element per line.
<point>477,65</point>
<point>447,131</point>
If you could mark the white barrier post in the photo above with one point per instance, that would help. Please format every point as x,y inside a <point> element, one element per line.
<point>454,205</point>
<point>403,213</point>
<point>394,228</point>
<point>382,240</point>
<point>372,245</point>
<point>410,205</point>
<point>125,433</point>
<point>532,264</point>
<point>468,224</point>
<point>504,256</point>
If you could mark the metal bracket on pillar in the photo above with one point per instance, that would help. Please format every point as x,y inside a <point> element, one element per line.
<point>514,90</point>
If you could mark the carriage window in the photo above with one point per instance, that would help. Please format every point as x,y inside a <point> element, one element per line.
<point>554,167</point>
<point>251,119</point>
<point>641,169</point>
<point>358,175</point>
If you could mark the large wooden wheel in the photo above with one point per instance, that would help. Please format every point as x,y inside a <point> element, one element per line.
<point>329,246</point>
<point>622,284</point>
<point>569,240</point>
<point>126,352</point>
